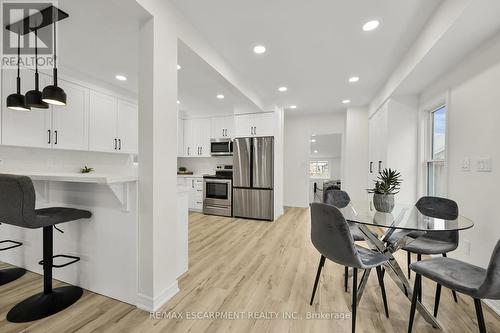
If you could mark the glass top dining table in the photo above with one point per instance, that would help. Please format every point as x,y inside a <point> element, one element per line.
<point>410,224</point>
<point>405,217</point>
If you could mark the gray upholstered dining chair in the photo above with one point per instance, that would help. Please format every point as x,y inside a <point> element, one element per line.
<point>340,199</point>
<point>331,236</point>
<point>432,243</point>
<point>477,282</point>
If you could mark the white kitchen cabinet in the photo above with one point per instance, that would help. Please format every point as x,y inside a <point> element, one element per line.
<point>23,128</point>
<point>102,123</point>
<point>256,124</point>
<point>197,134</point>
<point>180,137</point>
<point>127,127</point>
<point>70,122</point>
<point>392,144</point>
<point>195,185</point>
<point>222,127</point>
<point>113,124</point>
<point>61,127</point>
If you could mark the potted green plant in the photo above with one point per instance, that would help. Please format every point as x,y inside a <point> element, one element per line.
<point>387,185</point>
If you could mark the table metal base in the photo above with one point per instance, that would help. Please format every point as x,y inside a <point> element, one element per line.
<point>392,267</point>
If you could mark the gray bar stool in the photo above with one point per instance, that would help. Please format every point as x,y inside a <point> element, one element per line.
<point>477,282</point>
<point>17,207</point>
<point>10,274</point>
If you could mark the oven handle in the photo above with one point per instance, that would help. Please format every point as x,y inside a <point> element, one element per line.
<point>214,180</point>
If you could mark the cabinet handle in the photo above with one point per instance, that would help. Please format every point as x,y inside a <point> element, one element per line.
<point>119,144</point>
<point>116,144</point>
<point>50,136</point>
<point>201,150</point>
<point>222,132</point>
<point>55,142</point>
<point>371,167</point>
<point>251,130</point>
<point>188,151</point>
<point>379,166</point>
<point>255,130</point>
<point>192,183</point>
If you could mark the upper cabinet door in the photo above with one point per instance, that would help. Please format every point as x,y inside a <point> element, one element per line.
<point>244,125</point>
<point>180,137</point>
<point>23,128</point>
<point>222,127</point>
<point>70,122</point>
<point>127,127</point>
<point>102,123</point>
<point>264,124</point>
<point>205,133</point>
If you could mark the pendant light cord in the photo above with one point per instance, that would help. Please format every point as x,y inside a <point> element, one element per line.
<point>55,50</point>
<point>36,59</point>
<point>18,62</point>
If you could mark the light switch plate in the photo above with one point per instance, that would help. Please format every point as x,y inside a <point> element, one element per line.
<point>465,165</point>
<point>484,164</point>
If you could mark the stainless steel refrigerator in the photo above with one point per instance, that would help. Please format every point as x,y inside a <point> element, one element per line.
<point>253,178</point>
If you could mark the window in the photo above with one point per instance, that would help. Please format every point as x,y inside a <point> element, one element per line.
<point>436,172</point>
<point>319,169</point>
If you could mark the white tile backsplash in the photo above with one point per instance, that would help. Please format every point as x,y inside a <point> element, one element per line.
<point>203,165</point>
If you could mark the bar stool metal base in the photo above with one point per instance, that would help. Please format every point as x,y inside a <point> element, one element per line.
<point>10,274</point>
<point>44,305</point>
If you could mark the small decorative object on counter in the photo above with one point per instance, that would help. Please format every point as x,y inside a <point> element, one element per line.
<point>184,171</point>
<point>87,170</point>
<point>387,185</point>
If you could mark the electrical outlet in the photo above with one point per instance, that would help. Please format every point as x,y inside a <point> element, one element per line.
<point>465,165</point>
<point>466,246</point>
<point>1,161</point>
<point>484,164</point>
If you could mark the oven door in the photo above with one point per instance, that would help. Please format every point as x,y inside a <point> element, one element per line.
<point>217,192</point>
<point>221,148</point>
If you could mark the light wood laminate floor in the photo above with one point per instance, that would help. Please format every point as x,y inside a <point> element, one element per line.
<point>250,266</point>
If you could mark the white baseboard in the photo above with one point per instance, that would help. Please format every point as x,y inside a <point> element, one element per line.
<point>147,303</point>
<point>493,305</point>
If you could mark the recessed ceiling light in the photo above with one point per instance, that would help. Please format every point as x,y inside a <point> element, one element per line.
<point>259,49</point>
<point>282,89</point>
<point>121,78</point>
<point>371,25</point>
<point>220,96</point>
<point>354,79</point>
<point>313,135</point>
<point>313,140</point>
<point>346,101</point>
<point>315,151</point>
<point>293,106</point>
<point>179,67</point>
<point>178,102</point>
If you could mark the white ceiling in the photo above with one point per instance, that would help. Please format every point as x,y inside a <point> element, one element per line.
<point>313,46</point>
<point>326,145</point>
<point>100,39</point>
<point>199,84</point>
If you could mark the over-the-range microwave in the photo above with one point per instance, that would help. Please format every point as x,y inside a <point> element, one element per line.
<point>221,147</point>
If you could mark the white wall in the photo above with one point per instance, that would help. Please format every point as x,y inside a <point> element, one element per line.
<point>298,130</point>
<point>474,116</point>
<point>355,159</point>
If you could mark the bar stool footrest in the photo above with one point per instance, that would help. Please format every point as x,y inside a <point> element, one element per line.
<point>16,244</point>
<point>73,260</point>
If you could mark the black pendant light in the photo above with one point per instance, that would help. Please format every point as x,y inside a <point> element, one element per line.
<point>54,94</point>
<point>34,97</point>
<point>17,101</point>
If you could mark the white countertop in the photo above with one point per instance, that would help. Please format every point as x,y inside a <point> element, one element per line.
<point>96,178</point>
<point>190,176</point>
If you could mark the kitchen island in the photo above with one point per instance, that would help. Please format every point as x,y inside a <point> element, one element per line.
<point>107,243</point>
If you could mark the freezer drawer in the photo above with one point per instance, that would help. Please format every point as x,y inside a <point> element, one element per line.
<point>253,204</point>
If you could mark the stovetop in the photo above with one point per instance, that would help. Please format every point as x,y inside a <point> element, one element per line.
<point>220,174</point>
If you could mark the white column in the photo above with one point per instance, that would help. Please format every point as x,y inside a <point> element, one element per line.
<point>157,163</point>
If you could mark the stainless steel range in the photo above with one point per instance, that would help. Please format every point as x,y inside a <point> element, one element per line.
<point>217,194</point>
